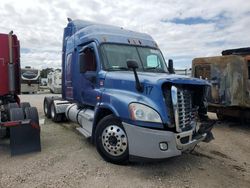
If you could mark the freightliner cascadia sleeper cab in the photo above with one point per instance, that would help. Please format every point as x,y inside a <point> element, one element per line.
<point>117,87</point>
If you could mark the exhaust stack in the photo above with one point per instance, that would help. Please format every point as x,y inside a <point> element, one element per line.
<point>11,67</point>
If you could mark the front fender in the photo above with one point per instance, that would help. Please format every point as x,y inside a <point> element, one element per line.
<point>118,101</point>
<point>107,106</point>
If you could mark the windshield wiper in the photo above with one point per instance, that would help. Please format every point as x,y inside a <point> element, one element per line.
<point>150,68</point>
<point>119,68</point>
<point>154,68</point>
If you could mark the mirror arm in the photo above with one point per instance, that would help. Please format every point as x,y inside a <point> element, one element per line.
<point>134,65</point>
<point>138,86</point>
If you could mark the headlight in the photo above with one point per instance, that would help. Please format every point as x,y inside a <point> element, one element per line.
<point>142,112</point>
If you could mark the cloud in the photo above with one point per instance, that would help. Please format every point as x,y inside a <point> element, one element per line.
<point>183,29</point>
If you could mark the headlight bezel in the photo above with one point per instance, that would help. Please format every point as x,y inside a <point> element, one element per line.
<point>147,113</point>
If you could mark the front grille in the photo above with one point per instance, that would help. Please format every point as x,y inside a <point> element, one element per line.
<point>184,111</point>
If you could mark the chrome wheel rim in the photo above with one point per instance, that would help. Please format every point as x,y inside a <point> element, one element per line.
<point>114,140</point>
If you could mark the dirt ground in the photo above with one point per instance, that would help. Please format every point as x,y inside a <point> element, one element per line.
<point>69,160</point>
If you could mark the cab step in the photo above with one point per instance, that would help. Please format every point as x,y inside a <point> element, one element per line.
<point>84,132</point>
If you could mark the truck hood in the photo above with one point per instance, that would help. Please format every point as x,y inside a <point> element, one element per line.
<point>119,89</point>
<point>124,77</point>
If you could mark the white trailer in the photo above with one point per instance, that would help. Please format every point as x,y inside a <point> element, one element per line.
<point>55,81</point>
<point>29,80</point>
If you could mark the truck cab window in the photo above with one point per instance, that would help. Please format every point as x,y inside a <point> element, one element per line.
<point>68,67</point>
<point>152,61</point>
<point>148,59</point>
<point>87,60</point>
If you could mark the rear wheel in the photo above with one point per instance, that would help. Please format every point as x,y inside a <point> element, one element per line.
<point>24,138</point>
<point>10,106</point>
<point>24,105</point>
<point>111,140</point>
<point>54,115</point>
<point>47,106</point>
<point>16,114</point>
<point>31,113</point>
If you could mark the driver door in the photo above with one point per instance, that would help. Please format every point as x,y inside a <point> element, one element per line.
<point>88,65</point>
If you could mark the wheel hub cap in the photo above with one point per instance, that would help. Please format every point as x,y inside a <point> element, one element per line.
<point>114,140</point>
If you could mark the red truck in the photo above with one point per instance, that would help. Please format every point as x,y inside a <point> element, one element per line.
<point>18,120</point>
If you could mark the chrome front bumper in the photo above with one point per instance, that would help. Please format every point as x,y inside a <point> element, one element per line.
<point>191,141</point>
<point>144,142</point>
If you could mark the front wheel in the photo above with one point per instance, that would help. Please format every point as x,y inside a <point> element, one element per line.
<point>111,140</point>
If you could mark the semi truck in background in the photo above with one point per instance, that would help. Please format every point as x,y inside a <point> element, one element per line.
<point>30,78</point>
<point>229,75</point>
<point>118,88</point>
<point>18,120</point>
<point>55,81</point>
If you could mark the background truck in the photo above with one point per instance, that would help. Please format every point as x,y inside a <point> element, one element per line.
<point>30,78</point>
<point>18,121</point>
<point>229,75</point>
<point>55,81</point>
<point>117,87</point>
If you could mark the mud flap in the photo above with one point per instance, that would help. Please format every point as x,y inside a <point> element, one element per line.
<point>25,138</point>
<point>207,128</point>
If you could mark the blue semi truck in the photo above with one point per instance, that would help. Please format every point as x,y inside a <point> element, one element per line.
<point>118,88</point>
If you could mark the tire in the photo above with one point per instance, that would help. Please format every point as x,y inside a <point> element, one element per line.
<point>55,116</point>
<point>16,114</point>
<point>31,113</point>
<point>24,105</point>
<point>111,140</point>
<point>47,106</point>
<point>13,105</point>
<point>10,106</point>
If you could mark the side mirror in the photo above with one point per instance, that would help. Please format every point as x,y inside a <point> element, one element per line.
<point>171,66</point>
<point>132,64</point>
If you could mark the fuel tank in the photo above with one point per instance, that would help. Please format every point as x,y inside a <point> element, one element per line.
<point>9,65</point>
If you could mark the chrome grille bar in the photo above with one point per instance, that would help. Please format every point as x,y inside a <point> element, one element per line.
<point>175,107</point>
<point>184,113</point>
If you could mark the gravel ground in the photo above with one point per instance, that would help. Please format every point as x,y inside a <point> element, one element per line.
<point>69,160</point>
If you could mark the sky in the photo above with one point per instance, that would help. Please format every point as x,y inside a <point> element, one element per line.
<point>183,29</point>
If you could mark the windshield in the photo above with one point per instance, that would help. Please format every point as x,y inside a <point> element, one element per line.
<point>148,59</point>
